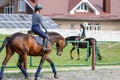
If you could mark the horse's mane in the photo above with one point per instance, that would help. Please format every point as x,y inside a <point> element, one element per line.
<point>70,38</point>
<point>55,34</point>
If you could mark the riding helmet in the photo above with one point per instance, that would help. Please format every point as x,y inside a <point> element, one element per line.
<point>37,7</point>
<point>81,25</point>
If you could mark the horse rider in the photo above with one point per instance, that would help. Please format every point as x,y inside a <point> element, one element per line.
<point>38,26</point>
<point>82,31</point>
<point>81,35</point>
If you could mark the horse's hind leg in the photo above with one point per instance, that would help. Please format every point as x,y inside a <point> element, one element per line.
<point>89,53</point>
<point>71,52</point>
<point>9,53</point>
<point>22,59</point>
<point>98,53</point>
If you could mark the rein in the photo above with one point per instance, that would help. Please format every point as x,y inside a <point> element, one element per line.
<point>54,47</point>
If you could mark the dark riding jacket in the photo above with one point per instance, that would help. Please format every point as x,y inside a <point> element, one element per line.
<point>37,25</point>
<point>82,32</point>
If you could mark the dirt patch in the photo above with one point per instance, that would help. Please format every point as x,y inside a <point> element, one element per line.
<point>100,74</point>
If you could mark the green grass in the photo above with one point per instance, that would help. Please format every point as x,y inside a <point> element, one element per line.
<point>110,52</point>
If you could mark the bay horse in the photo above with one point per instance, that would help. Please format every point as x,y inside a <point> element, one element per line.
<point>24,44</point>
<point>82,45</point>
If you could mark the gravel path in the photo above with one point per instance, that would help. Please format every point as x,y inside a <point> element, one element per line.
<point>104,73</point>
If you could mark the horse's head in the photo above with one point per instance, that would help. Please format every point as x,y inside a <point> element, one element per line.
<point>59,40</point>
<point>60,44</point>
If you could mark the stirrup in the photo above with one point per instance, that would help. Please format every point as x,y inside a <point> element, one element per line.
<point>45,49</point>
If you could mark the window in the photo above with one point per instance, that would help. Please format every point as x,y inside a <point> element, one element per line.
<point>97,27</point>
<point>21,5</point>
<point>89,26</point>
<point>82,8</point>
<point>9,9</point>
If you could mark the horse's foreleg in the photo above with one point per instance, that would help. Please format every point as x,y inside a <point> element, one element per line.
<point>40,66</point>
<point>78,54</point>
<point>71,52</point>
<point>53,67</point>
<point>22,59</point>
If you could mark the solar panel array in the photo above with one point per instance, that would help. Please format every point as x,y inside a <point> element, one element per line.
<point>23,21</point>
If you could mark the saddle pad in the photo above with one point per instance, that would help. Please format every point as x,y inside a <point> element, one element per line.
<point>39,40</point>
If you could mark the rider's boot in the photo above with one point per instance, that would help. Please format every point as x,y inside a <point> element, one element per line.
<point>45,41</point>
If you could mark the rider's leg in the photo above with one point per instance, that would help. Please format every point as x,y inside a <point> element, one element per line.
<point>40,32</point>
<point>77,39</point>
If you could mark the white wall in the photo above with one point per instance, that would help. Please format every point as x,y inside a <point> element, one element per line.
<point>98,35</point>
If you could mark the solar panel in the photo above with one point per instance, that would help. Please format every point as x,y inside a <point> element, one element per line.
<point>4,25</point>
<point>1,26</point>
<point>23,21</point>
<point>11,18</point>
<point>3,18</point>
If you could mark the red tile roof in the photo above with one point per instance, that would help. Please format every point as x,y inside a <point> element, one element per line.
<point>72,4</point>
<point>61,8</point>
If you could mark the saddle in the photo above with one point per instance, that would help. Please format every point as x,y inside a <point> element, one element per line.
<point>38,39</point>
<point>80,38</point>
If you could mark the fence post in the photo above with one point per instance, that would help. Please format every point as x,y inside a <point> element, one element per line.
<point>93,55</point>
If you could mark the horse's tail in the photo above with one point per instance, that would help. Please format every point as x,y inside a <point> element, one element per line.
<point>4,43</point>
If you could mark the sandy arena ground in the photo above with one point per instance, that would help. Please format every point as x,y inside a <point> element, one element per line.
<point>82,73</point>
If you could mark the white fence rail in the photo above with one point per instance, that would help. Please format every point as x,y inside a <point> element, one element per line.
<point>98,35</point>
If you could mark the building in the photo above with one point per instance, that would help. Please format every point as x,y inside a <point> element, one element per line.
<point>14,7</point>
<point>69,14</point>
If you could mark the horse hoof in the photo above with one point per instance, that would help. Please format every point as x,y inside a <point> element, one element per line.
<point>100,58</point>
<point>78,58</point>
<point>55,76</point>
<point>35,78</point>
<point>86,59</point>
<point>26,77</point>
<point>71,58</point>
